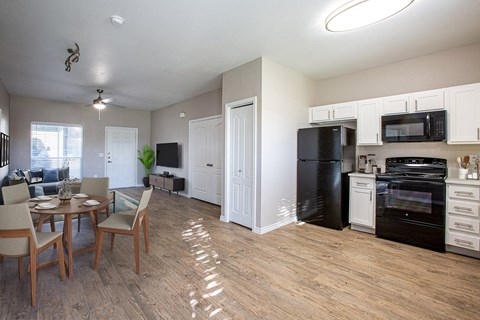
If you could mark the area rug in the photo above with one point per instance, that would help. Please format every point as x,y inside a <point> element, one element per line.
<point>123,203</point>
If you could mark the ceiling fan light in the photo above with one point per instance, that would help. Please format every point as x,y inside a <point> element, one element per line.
<point>99,105</point>
<point>360,13</point>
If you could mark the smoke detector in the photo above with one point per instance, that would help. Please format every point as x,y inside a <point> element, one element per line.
<point>117,20</point>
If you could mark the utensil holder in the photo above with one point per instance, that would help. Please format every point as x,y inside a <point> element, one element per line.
<point>462,173</point>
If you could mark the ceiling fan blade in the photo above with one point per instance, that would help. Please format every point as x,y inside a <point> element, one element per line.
<point>107,100</point>
<point>116,106</point>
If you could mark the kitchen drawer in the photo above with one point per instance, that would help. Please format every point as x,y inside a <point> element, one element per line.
<point>464,192</point>
<point>463,241</point>
<point>363,183</point>
<point>464,224</point>
<point>469,209</point>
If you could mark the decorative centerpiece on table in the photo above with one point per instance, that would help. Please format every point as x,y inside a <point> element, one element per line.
<point>65,191</point>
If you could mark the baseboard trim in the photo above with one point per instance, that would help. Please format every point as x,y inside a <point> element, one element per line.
<point>274,226</point>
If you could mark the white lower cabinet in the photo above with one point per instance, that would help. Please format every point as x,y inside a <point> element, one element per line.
<point>362,202</point>
<point>462,234</point>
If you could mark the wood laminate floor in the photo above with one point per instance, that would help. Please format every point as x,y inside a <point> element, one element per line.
<point>202,268</point>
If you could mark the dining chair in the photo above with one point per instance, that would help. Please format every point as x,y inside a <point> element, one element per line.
<point>19,193</point>
<point>98,187</point>
<point>19,239</point>
<point>126,223</point>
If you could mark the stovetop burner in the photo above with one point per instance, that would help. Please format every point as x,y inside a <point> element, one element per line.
<point>415,168</point>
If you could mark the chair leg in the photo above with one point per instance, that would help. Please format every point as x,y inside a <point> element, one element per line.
<point>98,248</point>
<point>1,259</point>
<point>20,268</point>
<point>61,258</point>
<point>136,244</point>
<point>112,240</point>
<point>78,221</point>
<point>145,232</point>
<point>33,277</point>
<point>52,223</point>
<point>107,211</point>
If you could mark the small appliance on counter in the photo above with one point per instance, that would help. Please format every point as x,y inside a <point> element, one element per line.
<point>362,163</point>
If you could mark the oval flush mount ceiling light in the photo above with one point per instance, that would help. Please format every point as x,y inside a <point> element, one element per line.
<point>360,13</point>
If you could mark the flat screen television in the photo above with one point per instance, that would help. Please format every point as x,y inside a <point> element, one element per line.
<point>167,154</point>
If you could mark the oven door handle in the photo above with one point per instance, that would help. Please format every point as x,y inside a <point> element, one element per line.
<point>403,181</point>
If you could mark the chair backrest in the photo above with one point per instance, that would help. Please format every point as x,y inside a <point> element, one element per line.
<point>15,217</point>
<point>143,203</point>
<point>17,193</point>
<point>95,186</point>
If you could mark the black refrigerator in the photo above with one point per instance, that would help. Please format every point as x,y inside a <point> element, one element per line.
<point>325,156</point>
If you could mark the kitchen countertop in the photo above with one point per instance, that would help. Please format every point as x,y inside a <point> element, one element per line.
<point>361,175</point>
<point>463,181</point>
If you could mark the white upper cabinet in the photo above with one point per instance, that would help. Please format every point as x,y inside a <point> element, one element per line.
<point>428,100</point>
<point>369,122</point>
<point>334,112</point>
<point>415,102</point>
<point>396,104</point>
<point>464,114</point>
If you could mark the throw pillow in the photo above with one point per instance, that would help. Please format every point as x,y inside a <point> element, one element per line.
<point>36,176</point>
<point>50,175</point>
<point>26,174</point>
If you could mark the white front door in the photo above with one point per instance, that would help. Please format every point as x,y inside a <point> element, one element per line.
<point>241,165</point>
<point>121,156</point>
<point>206,159</point>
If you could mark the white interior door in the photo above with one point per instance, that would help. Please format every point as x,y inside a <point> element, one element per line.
<point>121,156</point>
<point>241,165</point>
<point>206,159</point>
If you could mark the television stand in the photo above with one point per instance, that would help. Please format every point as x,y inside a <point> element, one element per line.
<point>167,182</point>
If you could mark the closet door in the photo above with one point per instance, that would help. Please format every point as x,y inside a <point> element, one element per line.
<point>206,159</point>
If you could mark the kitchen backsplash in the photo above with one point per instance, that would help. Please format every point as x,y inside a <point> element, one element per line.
<point>425,149</point>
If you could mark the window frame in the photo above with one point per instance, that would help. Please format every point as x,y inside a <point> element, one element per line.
<point>59,124</point>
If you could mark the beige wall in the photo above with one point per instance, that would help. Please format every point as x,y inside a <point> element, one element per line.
<point>240,83</point>
<point>283,97</point>
<point>443,69</point>
<point>167,126</point>
<point>4,120</point>
<point>449,68</point>
<point>286,95</point>
<point>24,111</point>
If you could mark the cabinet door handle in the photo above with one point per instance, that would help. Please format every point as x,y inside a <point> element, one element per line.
<point>465,193</point>
<point>377,137</point>
<point>416,105</point>
<point>361,184</point>
<point>209,165</point>
<point>462,209</point>
<point>463,225</point>
<point>406,105</point>
<point>371,196</point>
<point>328,114</point>
<point>333,112</point>
<point>478,133</point>
<point>464,242</point>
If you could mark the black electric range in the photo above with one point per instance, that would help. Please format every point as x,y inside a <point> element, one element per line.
<point>410,201</point>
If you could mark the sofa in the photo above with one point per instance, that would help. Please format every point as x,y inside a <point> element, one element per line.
<point>40,181</point>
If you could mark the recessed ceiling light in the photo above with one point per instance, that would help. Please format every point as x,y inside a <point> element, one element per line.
<point>360,13</point>
<point>117,20</point>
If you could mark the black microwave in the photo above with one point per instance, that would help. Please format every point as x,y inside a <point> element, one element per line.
<point>414,127</point>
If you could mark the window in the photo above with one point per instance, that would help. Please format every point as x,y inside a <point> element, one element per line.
<point>54,145</point>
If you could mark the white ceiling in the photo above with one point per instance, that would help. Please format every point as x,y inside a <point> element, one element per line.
<point>168,51</point>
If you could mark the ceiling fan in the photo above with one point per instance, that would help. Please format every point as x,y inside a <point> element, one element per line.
<point>100,103</point>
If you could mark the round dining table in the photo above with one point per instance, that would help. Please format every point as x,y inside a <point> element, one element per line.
<point>69,209</point>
